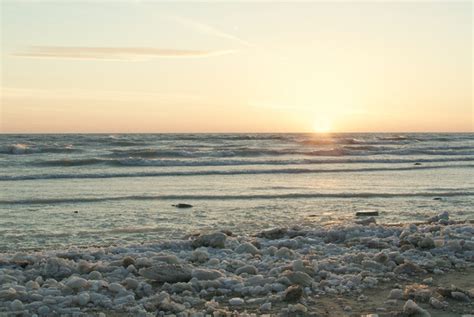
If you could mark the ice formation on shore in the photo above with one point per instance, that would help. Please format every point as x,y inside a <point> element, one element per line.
<point>216,273</point>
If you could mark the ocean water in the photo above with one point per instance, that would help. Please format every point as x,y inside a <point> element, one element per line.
<point>99,189</point>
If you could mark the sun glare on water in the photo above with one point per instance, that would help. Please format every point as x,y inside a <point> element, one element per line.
<point>322,125</point>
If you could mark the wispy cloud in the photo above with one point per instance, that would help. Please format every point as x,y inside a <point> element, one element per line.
<point>12,93</point>
<point>115,53</point>
<point>207,29</point>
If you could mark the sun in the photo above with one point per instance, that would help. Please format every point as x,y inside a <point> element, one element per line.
<point>322,125</point>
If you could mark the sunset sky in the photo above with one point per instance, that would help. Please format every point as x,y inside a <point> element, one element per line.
<point>137,66</point>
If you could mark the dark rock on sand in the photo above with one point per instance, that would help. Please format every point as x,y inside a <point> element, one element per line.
<point>293,293</point>
<point>182,205</point>
<point>366,213</point>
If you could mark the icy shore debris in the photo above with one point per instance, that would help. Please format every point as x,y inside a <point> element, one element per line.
<point>219,272</point>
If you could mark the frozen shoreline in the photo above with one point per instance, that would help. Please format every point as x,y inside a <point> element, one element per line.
<point>283,270</point>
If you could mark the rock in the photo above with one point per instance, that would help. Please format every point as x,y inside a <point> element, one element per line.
<point>130,283</point>
<point>300,278</point>
<point>43,310</point>
<point>412,309</point>
<point>83,298</point>
<point>206,274</point>
<point>266,307</point>
<point>95,275</point>
<point>396,294</point>
<point>8,294</point>
<point>199,256</point>
<point>213,240</point>
<point>76,283</point>
<point>32,285</point>
<point>408,268</point>
<point>273,234</point>
<point>166,258</point>
<point>428,281</point>
<point>127,261</point>
<point>171,273</point>
<point>426,243</point>
<point>460,296</point>
<point>116,288</point>
<point>284,252</point>
<point>236,301</point>
<point>249,269</point>
<point>181,205</point>
<point>435,303</point>
<point>293,293</point>
<point>444,216</point>
<point>16,305</point>
<point>366,213</point>
<point>247,248</point>
<point>366,221</point>
<point>299,308</point>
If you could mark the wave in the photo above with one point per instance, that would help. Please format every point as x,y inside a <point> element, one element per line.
<point>132,162</point>
<point>235,152</point>
<point>21,148</point>
<point>329,141</point>
<point>225,172</point>
<point>234,197</point>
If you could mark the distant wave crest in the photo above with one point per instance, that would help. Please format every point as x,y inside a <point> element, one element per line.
<point>21,148</point>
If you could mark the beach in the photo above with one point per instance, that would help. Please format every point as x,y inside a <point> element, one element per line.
<point>339,270</point>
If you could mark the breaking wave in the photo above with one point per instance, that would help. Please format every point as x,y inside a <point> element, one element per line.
<point>225,172</point>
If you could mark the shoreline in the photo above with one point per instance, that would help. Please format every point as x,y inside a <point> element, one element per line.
<point>303,270</point>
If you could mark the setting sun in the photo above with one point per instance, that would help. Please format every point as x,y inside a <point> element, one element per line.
<point>322,125</point>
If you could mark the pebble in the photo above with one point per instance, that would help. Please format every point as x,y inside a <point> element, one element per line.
<point>206,274</point>
<point>236,301</point>
<point>76,283</point>
<point>293,293</point>
<point>213,240</point>
<point>266,307</point>
<point>16,305</point>
<point>412,309</point>
<point>396,294</point>
<point>435,303</point>
<point>247,247</point>
<point>170,273</point>
<point>249,269</point>
<point>460,296</point>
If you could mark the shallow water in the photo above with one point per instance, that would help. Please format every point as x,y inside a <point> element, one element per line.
<point>123,186</point>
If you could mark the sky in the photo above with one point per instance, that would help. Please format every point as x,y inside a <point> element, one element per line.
<point>333,66</point>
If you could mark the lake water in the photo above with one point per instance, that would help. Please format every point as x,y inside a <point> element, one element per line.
<point>123,186</point>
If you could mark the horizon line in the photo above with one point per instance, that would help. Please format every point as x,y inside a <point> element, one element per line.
<point>300,132</point>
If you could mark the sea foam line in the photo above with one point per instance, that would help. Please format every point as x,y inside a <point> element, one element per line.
<point>225,172</point>
<point>233,197</point>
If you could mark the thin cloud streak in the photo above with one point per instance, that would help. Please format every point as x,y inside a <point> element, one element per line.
<point>115,53</point>
<point>207,29</point>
